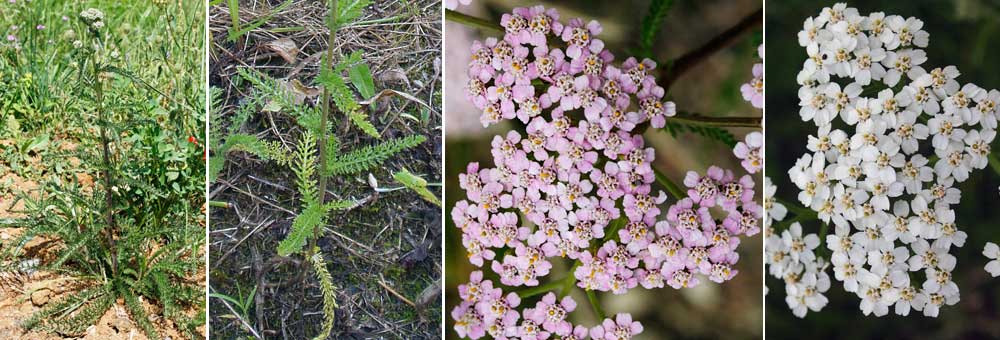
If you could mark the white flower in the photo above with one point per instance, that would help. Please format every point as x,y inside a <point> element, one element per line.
<point>800,248</point>
<point>867,64</point>
<point>775,211</point>
<point>903,62</point>
<point>908,33</point>
<point>992,251</point>
<point>807,294</point>
<point>845,269</point>
<point>954,162</point>
<point>977,147</point>
<point>913,173</point>
<point>907,296</point>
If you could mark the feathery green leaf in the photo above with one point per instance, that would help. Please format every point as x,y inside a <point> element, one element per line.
<point>370,156</point>
<point>651,23</point>
<point>329,295</point>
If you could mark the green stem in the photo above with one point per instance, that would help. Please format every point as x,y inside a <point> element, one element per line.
<point>613,228</point>
<point>824,228</point>
<point>542,289</point>
<point>109,217</point>
<point>794,207</point>
<point>671,187</point>
<point>995,163</point>
<point>751,122</point>
<point>327,65</point>
<point>471,21</point>
<point>570,279</point>
<point>596,305</point>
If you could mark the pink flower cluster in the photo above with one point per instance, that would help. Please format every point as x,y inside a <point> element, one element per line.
<point>581,179</point>
<point>503,74</point>
<point>485,310</point>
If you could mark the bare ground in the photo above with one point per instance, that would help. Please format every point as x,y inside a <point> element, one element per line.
<point>24,293</point>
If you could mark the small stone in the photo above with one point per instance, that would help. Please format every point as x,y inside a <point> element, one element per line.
<point>41,297</point>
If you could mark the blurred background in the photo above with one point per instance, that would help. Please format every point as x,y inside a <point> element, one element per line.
<point>710,311</point>
<point>962,33</point>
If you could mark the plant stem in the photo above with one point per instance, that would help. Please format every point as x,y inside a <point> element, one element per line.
<point>671,187</point>
<point>471,21</point>
<point>327,65</point>
<point>570,279</point>
<point>542,289</point>
<point>794,207</point>
<point>751,122</point>
<point>109,217</point>
<point>684,63</point>
<point>995,163</point>
<point>596,305</point>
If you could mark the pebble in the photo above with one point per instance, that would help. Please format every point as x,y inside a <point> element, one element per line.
<point>41,297</point>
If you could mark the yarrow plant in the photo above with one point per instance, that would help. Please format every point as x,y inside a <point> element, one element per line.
<point>753,91</point>
<point>578,185</point>
<point>884,175</point>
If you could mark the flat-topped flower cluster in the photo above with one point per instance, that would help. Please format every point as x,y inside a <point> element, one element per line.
<point>893,139</point>
<point>578,183</point>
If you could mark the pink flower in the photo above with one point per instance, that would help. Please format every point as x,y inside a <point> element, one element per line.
<point>704,189</point>
<point>753,91</point>
<point>749,152</point>
<point>551,314</point>
<point>468,322</point>
<point>621,328</point>
<point>475,288</point>
<point>581,38</point>
<point>637,72</point>
<point>453,4</point>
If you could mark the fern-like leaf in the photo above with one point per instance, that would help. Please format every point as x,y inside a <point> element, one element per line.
<point>66,306</point>
<point>273,91</point>
<point>329,295</point>
<point>361,121</point>
<point>651,23</point>
<point>417,184</point>
<point>139,316</point>
<point>302,228</point>
<point>72,316</point>
<point>343,97</point>
<point>370,156</point>
<point>719,134</point>
<point>304,169</point>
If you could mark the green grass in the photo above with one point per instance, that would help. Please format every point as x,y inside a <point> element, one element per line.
<point>123,103</point>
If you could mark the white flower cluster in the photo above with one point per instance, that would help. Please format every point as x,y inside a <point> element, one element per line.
<point>94,17</point>
<point>884,175</point>
<point>790,256</point>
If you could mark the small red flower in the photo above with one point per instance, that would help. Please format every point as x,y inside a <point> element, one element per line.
<point>192,140</point>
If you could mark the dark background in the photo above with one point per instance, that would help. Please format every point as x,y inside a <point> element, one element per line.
<point>964,33</point>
